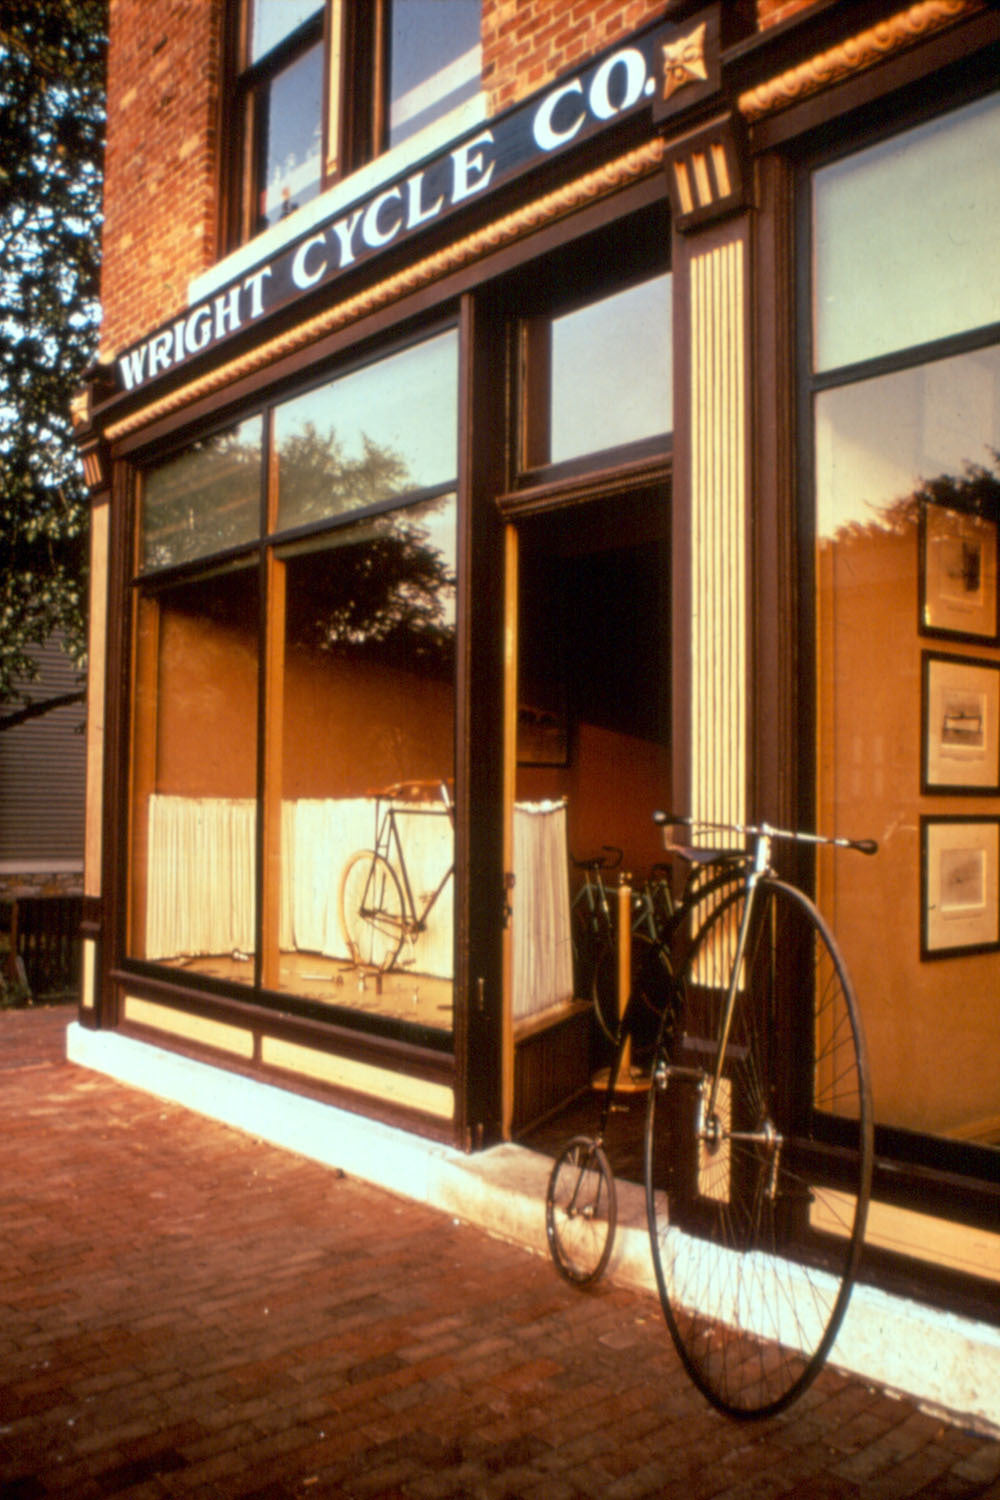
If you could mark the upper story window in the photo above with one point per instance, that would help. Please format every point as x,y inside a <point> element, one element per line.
<point>323,86</point>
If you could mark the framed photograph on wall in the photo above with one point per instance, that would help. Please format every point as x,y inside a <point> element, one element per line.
<point>960,749</point>
<point>958,575</point>
<point>959,886</point>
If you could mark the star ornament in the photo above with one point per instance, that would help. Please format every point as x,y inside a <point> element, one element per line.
<point>684,61</point>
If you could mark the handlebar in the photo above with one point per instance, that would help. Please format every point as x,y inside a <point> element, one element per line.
<point>609,859</point>
<point>764,831</point>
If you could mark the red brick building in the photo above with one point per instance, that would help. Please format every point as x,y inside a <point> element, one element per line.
<point>513,418</point>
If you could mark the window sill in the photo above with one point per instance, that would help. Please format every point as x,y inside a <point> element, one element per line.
<point>383,169</point>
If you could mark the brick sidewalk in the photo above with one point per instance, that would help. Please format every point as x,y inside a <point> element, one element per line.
<point>187,1311</point>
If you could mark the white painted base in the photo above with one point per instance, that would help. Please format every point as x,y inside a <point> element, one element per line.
<point>945,1362</point>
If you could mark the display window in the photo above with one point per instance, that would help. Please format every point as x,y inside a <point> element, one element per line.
<point>905,423</point>
<point>294,700</point>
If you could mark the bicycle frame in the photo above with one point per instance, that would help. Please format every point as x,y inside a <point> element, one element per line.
<point>387,835</point>
<point>756,864</point>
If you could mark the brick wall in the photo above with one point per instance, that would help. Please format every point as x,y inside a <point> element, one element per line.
<point>160,199</point>
<point>164,77</point>
<point>527,42</point>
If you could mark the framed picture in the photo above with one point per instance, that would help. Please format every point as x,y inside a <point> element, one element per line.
<point>961,725</point>
<point>958,575</point>
<point>542,735</point>
<point>959,889</point>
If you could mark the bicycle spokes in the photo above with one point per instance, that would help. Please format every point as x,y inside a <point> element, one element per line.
<point>758,1154</point>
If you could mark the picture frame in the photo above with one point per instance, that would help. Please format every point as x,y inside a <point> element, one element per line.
<point>542,735</point>
<point>960,736</point>
<point>958,575</point>
<point>959,885</point>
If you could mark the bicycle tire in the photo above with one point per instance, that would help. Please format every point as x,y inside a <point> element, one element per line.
<point>756,1245</point>
<point>581,1211</point>
<point>371,910</point>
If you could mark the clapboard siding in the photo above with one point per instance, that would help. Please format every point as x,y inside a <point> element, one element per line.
<point>43,771</point>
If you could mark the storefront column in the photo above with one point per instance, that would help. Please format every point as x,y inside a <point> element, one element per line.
<point>711,502</point>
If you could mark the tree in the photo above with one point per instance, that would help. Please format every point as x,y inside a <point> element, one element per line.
<point>52,63</point>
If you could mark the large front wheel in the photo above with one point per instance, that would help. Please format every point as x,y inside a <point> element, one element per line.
<point>371,910</point>
<point>757,1186</point>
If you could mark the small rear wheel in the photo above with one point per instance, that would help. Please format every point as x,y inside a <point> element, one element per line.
<point>581,1211</point>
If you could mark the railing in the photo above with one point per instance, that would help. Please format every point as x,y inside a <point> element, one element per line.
<point>43,932</point>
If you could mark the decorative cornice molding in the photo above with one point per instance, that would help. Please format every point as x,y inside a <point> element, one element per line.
<point>854,55</point>
<point>613,176</point>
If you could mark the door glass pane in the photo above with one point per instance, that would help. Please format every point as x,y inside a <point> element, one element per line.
<point>272,20</point>
<point>434,61</point>
<point>205,500</point>
<point>612,371</point>
<point>367,746</point>
<point>905,238</point>
<point>908,508</point>
<point>194,776</point>
<point>291,119</point>
<point>370,436</point>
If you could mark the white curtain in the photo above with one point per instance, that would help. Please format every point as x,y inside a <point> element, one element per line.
<point>200,883</point>
<point>543,952</point>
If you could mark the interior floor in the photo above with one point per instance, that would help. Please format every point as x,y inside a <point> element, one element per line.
<point>398,994</point>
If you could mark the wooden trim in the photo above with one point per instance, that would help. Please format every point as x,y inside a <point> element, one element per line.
<point>510,661</point>
<point>97,627</point>
<point>117,743</point>
<point>911,68</point>
<point>854,55</point>
<point>479,687</point>
<point>271,717</point>
<point>335,56</point>
<point>536,499</point>
<point>778,713</point>
<point>530,1026</point>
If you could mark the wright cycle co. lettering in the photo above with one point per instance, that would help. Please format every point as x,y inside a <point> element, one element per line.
<point>573,110</point>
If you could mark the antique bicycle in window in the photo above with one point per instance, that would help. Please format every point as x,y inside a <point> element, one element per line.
<point>378,909</point>
<point>758,1138</point>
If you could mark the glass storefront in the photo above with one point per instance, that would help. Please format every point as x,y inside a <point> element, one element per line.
<point>294,712</point>
<point>906,428</point>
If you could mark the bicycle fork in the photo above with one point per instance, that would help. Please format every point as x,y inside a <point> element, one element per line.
<point>710,1130</point>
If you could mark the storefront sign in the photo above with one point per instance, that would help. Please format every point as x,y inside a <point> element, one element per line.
<point>672,66</point>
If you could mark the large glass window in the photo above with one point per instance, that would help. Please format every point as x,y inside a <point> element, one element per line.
<point>574,403</point>
<point>320,88</point>
<point>340,624</point>
<point>907,487</point>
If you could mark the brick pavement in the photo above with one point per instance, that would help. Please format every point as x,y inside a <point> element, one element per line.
<point>189,1312</point>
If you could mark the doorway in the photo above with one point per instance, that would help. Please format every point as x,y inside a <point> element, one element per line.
<point>591,698</point>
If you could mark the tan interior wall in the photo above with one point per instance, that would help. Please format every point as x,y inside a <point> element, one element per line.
<point>613,785</point>
<point>931,1025</point>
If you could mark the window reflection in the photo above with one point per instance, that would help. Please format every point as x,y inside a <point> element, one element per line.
<point>195,776</point>
<point>205,500</point>
<point>612,371</point>
<point>368,745</point>
<point>908,505</point>
<point>274,20</point>
<point>434,61</point>
<point>291,114</point>
<point>373,435</point>
<point>889,224</point>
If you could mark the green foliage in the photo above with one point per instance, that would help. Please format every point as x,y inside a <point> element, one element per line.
<point>52,61</point>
